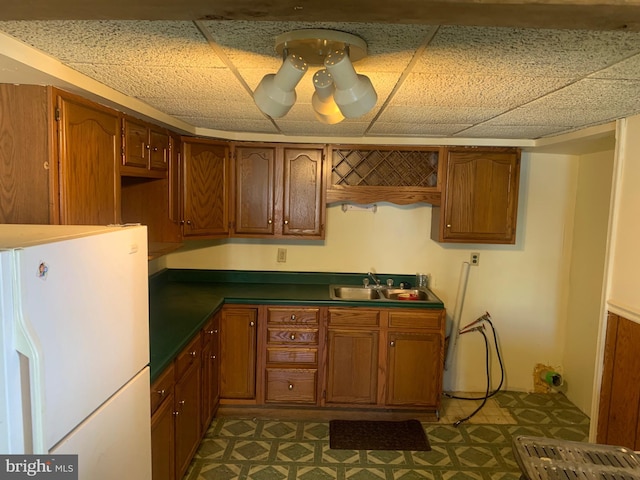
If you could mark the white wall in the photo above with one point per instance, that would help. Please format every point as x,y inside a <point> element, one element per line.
<point>520,285</point>
<point>624,276</point>
<point>586,280</point>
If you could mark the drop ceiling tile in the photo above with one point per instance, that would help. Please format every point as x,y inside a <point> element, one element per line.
<point>414,129</point>
<point>493,131</point>
<point>202,108</point>
<point>198,83</point>
<point>526,52</point>
<point>343,129</point>
<point>231,124</point>
<point>136,43</point>
<point>473,91</point>
<point>585,103</point>
<point>628,69</point>
<point>437,115</point>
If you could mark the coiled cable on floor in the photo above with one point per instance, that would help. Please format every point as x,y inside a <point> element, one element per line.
<point>486,397</point>
<point>484,318</point>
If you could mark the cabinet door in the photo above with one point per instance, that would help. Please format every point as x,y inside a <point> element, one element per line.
<point>254,190</point>
<point>480,197</point>
<point>210,371</point>
<point>158,149</point>
<point>187,417</point>
<point>352,366</point>
<point>28,176</point>
<point>303,205</point>
<point>136,145</point>
<point>206,170</point>
<point>163,441</point>
<point>89,152</point>
<point>238,352</point>
<point>414,369</point>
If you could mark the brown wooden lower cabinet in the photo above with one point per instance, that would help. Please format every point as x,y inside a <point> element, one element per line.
<point>619,410</point>
<point>179,407</point>
<point>352,366</point>
<point>238,327</point>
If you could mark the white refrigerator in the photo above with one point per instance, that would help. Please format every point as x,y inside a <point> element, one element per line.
<point>74,333</point>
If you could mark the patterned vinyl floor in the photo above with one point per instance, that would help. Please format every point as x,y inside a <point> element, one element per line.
<point>480,449</point>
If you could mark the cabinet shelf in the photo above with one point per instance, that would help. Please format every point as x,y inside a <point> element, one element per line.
<point>393,174</point>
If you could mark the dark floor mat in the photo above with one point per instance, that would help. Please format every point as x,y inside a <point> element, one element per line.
<point>377,435</point>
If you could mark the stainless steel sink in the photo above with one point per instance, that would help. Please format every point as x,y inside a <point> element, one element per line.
<point>385,294</point>
<point>354,293</point>
<point>405,294</point>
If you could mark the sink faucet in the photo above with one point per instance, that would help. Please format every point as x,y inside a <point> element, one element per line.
<point>375,279</point>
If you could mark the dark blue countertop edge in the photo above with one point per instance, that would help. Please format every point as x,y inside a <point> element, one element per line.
<point>181,301</point>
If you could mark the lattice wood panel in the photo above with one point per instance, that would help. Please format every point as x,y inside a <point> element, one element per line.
<point>389,168</point>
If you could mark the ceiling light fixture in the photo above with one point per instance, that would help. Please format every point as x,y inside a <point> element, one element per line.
<point>339,91</point>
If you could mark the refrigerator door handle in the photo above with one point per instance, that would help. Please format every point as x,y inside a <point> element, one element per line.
<point>27,343</point>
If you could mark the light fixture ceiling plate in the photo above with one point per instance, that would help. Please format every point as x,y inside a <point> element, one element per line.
<point>314,44</point>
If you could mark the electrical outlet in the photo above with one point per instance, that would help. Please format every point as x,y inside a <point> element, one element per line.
<point>475,258</point>
<point>282,255</point>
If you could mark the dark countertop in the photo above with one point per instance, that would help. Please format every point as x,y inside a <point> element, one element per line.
<point>181,301</point>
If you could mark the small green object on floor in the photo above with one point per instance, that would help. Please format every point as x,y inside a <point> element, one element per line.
<point>406,435</point>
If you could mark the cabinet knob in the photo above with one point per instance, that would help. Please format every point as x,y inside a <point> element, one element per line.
<point>176,413</point>
<point>293,316</point>
<point>155,149</point>
<point>213,357</point>
<point>193,354</point>
<point>148,147</point>
<point>269,221</point>
<point>286,222</point>
<point>252,323</point>
<point>292,336</point>
<point>161,392</point>
<point>188,222</point>
<point>211,332</point>
<point>448,225</point>
<point>291,386</point>
<point>392,343</point>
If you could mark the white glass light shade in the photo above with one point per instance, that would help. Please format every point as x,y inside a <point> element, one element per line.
<point>354,93</point>
<point>275,94</point>
<point>324,106</point>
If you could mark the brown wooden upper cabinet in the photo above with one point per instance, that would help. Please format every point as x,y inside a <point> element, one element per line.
<point>278,191</point>
<point>61,167</point>
<point>480,196</point>
<point>205,188</point>
<point>145,148</point>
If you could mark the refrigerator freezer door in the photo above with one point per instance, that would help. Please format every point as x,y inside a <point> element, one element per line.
<point>83,304</point>
<point>115,442</point>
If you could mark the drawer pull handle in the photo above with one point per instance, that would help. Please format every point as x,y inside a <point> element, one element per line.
<point>291,386</point>
<point>292,336</point>
<point>193,354</point>
<point>293,316</point>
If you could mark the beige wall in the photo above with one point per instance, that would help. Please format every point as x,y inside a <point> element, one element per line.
<point>520,285</point>
<point>586,279</point>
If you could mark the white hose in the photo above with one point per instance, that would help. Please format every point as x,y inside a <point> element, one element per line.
<point>457,313</point>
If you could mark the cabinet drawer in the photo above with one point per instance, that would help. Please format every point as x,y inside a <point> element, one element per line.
<point>431,319</point>
<point>293,315</point>
<point>355,317</point>
<point>187,356</point>
<point>292,355</point>
<point>292,336</point>
<point>162,387</point>
<point>288,385</point>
